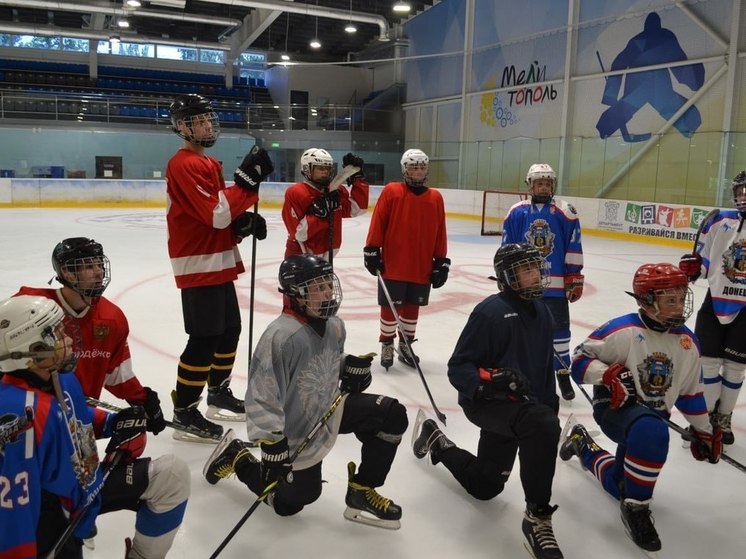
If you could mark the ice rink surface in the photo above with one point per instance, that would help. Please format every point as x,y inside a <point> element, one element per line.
<point>698,507</point>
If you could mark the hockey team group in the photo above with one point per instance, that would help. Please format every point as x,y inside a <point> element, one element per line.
<point>59,347</point>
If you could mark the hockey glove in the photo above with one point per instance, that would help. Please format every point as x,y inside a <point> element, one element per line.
<point>439,274</point>
<point>574,286</point>
<point>707,446</point>
<point>372,258</point>
<point>254,168</point>
<point>153,411</point>
<point>502,384</point>
<point>128,435</point>
<point>354,374</point>
<point>352,159</point>
<point>248,223</point>
<point>327,202</point>
<point>621,383</point>
<point>691,265</point>
<point>276,462</point>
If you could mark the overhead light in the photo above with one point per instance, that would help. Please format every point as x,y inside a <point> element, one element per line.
<point>315,41</point>
<point>123,23</point>
<point>285,57</point>
<point>350,28</point>
<point>314,44</point>
<point>133,3</point>
<point>114,39</point>
<point>402,7</point>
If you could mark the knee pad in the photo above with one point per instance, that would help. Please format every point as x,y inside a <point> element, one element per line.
<point>649,432</point>
<point>229,340</point>
<point>170,483</point>
<point>200,350</point>
<point>395,423</point>
<point>125,486</point>
<point>491,485</point>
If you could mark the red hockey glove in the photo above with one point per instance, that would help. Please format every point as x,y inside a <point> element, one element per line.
<point>691,265</point>
<point>707,446</point>
<point>128,434</point>
<point>574,286</point>
<point>621,383</point>
<point>276,464</point>
<point>502,384</point>
<point>354,375</point>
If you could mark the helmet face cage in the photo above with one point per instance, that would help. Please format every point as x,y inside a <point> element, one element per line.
<point>311,284</point>
<point>663,293</point>
<point>194,111</point>
<point>316,157</point>
<point>81,265</point>
<point>540,171</point>
<point>512,261</point>
<point>739,192</point>
<point>411,160</point>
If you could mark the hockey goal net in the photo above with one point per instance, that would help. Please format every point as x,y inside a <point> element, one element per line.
<point>495,206</point>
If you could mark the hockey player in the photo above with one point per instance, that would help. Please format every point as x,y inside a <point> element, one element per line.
<point>298,368</point>
<point>502,369</point>
<point>205,221</point>
<point>721,320</point>
<point>652,358</point>
<point>407,244</point>
<point>552,226</point>
<point>103,359</point>
<point>307,206</point>
<point>51,462</point>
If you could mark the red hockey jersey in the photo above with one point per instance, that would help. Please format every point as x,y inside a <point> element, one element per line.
<point>410,229</point>
<point>200,209</point>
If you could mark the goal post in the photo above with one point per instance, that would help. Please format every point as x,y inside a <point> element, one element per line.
<point>495,206</point>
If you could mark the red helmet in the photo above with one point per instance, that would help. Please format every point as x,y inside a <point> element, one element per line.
<point>653,280</point>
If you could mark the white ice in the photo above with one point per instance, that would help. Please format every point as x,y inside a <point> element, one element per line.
<point>698,507</point>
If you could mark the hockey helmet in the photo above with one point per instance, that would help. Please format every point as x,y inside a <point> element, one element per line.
<point>316,157</point>
<point>414,159</point>
<point>663,293</point>
<point>739,193</point>
<point>81,265</point>
<point>514,259</point>
<point>34,328</point>
<point>311,285</point>
<point>193,110</point>
<point>539,171</point>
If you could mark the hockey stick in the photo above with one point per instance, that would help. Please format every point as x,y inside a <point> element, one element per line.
<point>191,430</point>
<point>271,487</point>
<point>346,172</point>
<point>673,426</point>
<point>400,326</point>
<point>89,501</point>
<point>253,282</point>
<point>712,214</point>
<point>626,136</point>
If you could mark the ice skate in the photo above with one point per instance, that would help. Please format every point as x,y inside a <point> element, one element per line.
<point>537,528</point>
<point>565,384</point>
<point>223,405</point>
<point>195,428</point>
<point>387,355</point>
<point>366,506</point>
<point>223,460</point>
<point>406,356</point>
<point>639,525</point>
<point>575,442</point>
<point>427,437</point>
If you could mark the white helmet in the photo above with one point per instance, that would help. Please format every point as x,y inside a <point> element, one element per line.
<point>540,171</point>
<point>28,330</point>
<point>315,157</point>
<point>415,158</point>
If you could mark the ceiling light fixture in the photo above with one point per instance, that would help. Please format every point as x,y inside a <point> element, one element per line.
<point>134,3</point>
<point>350,28</point>
<point>115,39</point>
<point>315,44</point>
<point>285,56</point>
<point>402,7</point>
<point>123,23</point>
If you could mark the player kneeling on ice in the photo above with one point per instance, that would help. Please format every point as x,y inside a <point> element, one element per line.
<point>641,365</point>
<point>298,368</point>
<point>48,455</point>
<point>503,371</point>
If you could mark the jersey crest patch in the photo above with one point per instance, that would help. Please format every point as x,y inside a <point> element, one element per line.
<point>656,373</point>
<point>734,262</point>
<point>685,342</point>
<point>540,235</point>
<point>101,331</point>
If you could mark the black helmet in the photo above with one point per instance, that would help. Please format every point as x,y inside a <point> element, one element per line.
<point>739,181</point>
<point>186,107</point>
<point>509,258</point>
<point>311,284</point>
<point>71,256</point>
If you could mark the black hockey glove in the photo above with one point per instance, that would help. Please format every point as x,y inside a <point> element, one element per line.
<point>329,201</point>
<point>372,259</point>
<point>276,462</point>
<point>440,272</point>
<point>128,434</point>
<point>354,374</point>
<point>502,384</point>
<point>254,168</point>
<point>352,159</point>
<point>153,411</point>
<point>248,223</point>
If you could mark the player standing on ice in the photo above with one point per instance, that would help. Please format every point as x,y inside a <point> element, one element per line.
<point>298,368</point>
<point>50,463</point>
<point>553,227</point>
<point>502,369</point>
<point>205,222</point>
<point>648,357</point>
<point>407,244</point>
<point>308,204</point>
<point>721,320</point>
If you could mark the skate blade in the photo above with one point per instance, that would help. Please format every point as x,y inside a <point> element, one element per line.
<point>421,417</point>
<point>361,517</point>
<point>223,443</point>
<point>645,552</point>
<point>191,438</point>
<point>569,424</point>
<point>221,414</point>
<point>89,543</point>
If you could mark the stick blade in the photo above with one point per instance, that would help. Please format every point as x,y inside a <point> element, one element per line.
<point>346,172</point>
